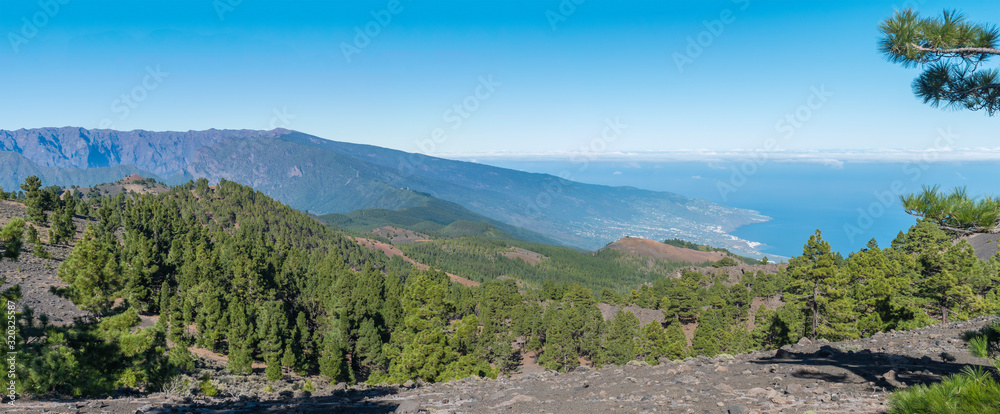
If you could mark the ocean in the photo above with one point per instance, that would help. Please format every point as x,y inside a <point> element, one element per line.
<point>850,203</point>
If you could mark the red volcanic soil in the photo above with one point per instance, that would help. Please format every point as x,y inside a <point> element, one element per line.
<point>528,256</point>
<point>656,250</point>
<point>398,235</point>
<point>390,250</point>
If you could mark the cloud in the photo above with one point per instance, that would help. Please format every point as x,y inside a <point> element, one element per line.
<point>831,158</point>
<point>697,177</point>
<point>616,173</point>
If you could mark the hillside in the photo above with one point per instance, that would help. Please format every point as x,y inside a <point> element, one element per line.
<point>435,216</point>
<point>133,184</point>
<point>484,259</point>
<point>837,377</point>
<point>320,176</point>
<point>37,275</point>
<point>198,288</point>
<point>656,250</point>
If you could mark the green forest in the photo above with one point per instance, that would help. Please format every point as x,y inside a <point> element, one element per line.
<point>227,269</point>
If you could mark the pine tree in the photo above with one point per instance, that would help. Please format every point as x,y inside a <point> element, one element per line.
<point>31,234</point>
<point>882,286</point>
<point>953,52</point>
<point>93,273</point>
<point>368,349</point>
<point>560,352</point>
<point>241,339</point>
<point>585,320</point>
<point>295,347</point>
<point>709,339</point>
<point>34,200</point>
<point>274,325</point>
<point>683,303</point>
<point>501,310</point>
<point>177,331</point>
<point>676,342</point>
<point>821,290</point>
<point>423,349</point>
<point>653,343</point>
<point>333,359</point>
<point>63,228</point>
<point>11,238</point>
<point>620,344</point>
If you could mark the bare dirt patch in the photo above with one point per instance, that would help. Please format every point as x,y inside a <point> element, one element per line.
<point>390,251</point>
<point>38,276</point>
<point>528,256</point>
<point>398,236</point>
<point>656,250</point>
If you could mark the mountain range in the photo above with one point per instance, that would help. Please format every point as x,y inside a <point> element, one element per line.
<point>329,177</point>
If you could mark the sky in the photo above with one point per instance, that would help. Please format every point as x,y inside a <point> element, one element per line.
<point>482,77</point>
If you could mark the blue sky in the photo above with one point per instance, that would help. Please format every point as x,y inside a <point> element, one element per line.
<point>550,75</point>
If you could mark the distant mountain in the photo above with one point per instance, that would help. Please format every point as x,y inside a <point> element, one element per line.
<point>436,216</point>
<point>14,168</point>
<point>323,177</point>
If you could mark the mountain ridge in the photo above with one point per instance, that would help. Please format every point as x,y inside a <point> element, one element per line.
<point>322,176</point>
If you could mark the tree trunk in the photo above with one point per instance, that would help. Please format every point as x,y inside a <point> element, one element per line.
<point>944,314</point>
<point>815,309</point>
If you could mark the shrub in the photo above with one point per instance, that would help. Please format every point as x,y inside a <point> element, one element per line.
<point>207,388</point>
<point>975,390</point>
<point>308,386</point>
<point>979,347</point>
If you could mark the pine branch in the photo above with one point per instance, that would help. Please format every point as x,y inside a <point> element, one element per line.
<point>958,51</point>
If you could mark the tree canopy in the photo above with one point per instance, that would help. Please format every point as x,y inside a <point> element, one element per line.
<point>956,212</point>
<point>952,52</point>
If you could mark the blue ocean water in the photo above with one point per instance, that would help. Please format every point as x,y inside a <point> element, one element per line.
<point>851,203</point>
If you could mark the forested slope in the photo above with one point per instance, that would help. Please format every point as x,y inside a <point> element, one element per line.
<point>227,269</point>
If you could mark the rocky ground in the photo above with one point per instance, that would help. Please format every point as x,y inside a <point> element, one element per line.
<point>36,275</point>
<point>852,376</point>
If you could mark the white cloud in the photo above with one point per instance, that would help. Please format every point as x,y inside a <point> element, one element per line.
<point>832,158</point>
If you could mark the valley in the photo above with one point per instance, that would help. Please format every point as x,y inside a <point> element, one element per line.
<point>320,176</point>
<point>546,319</point>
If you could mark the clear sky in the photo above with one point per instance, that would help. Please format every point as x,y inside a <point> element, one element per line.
<point>549,74</point>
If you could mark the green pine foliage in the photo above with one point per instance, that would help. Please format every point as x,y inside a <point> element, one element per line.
<point>93,273</point>
<point>620,343</point>
<point>35,200</point>
<point>93,359</point>
<point>820,289</point>
<point>952,52</point>
<point>483,259</point>
<point>972,391</point>
<point>11,239</point>
<point>230,270</point>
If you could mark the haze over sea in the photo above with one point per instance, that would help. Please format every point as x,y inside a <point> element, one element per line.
<point>850,202</point>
